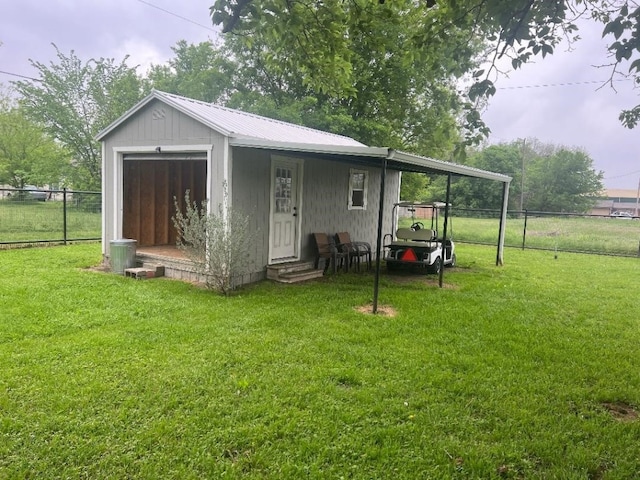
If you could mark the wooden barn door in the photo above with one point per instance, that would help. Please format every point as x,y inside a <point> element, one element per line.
<point>150,187</point>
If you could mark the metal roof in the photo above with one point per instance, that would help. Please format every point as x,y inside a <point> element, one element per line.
<point>253,131</point>
<point>396,160</point>
<point>237,124</point>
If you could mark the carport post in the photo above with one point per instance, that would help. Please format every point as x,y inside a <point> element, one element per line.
<point>376,281</point>
<point>444,233</point>
<point>503,224</point>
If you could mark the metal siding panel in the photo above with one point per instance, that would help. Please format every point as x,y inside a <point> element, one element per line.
<point>175,128</point>
<point>251,190</point>
<point>326,190</point>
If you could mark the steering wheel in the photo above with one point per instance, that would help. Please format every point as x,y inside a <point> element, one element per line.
<point>417,226</point>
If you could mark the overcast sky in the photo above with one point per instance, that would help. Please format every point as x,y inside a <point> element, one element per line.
<point>572,112</point>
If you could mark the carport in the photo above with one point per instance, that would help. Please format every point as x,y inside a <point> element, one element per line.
<point>389,159</point>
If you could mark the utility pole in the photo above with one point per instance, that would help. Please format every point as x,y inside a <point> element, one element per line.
<point>638,199</point>
<point>522,152</point>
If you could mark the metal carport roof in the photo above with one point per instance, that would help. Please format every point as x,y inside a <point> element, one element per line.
<point>387,158</point>
<point>253,131</point>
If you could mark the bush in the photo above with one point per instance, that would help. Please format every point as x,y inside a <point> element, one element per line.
<point>217,244</point>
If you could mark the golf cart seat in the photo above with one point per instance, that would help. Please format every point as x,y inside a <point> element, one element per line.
<point>419,238</point>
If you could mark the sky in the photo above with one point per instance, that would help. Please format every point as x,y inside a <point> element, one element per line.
<point>559,100</point>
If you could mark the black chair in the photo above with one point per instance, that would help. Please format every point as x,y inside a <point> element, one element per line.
<point>355,250</point>
<point>327,250</point>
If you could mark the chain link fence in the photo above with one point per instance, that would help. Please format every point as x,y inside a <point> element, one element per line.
<point>35,216</point>
<point>566,232</point>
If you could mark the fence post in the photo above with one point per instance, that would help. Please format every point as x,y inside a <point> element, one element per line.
<point>64,214</point>
<point>524,231</point>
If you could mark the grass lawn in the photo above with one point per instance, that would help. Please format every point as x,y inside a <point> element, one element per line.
<point>530,370</point>
<point>33,221</point>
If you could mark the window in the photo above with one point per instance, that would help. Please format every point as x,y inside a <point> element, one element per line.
<point>283,189</point>
<point>358,181</point>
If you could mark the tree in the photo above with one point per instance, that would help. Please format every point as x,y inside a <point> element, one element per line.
<point>381,91</point>
<point>203,72</point>
<point>74,100</point>
<point>479,193</point>
<point>545,178</point>
<point>318,41</point>
<point>28,155</point>
<point>414,187</point>
<point>563,182</point>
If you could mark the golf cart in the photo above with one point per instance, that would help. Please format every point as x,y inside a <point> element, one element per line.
<point>417,245</point>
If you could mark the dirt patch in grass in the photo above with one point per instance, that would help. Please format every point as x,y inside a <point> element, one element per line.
<point>621,411</point>
<point>384,310</point>
<point>103,267</point>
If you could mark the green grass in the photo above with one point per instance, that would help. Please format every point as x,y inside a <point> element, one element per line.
<point>503,374</point>
<point>33,221</point>
<point>576,234</point>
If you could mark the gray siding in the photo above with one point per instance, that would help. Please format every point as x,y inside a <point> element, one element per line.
<point>157,124</point>
<point>325,190</point>
<point>325,184</point>
<point>251,179</point>
<point>325,203</point>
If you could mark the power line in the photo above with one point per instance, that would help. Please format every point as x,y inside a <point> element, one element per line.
<point>566,84</point>
<point>177,16</point>
<point>21,76</point>
<point>143,2</point>
<point>623,175</point>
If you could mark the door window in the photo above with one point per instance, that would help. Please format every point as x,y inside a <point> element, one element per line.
<point>283,179</point>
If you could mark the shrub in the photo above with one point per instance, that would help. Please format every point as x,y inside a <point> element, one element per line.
<point>217,243</point>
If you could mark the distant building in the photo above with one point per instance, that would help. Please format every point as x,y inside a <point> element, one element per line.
<point>618,200</point>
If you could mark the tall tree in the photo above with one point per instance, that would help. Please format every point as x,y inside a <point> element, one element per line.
<point>74,100</point>
<point>545,178</point>
<point>353,68</point>
<point>478,193</point>
<point>563,182</point>
<point>414,187</point>
<point>315,40</point>
<point>200,71</point>
<point>28,155</point>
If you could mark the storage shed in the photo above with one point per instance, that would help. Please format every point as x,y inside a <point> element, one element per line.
<point>291,180</point>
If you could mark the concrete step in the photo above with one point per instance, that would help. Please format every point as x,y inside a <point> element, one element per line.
<point>274,272</point>
<point>299,276</point>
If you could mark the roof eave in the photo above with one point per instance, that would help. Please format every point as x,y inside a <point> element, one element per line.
<point>168,100</point>
<point>448,167</point>
<point>355,150</point>
<point>395,157</point>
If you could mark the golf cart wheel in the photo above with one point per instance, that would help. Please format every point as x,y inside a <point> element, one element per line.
<point>436,266</point>
<point>453,261</point>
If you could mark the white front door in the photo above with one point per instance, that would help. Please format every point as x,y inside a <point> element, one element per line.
<point>285,209</point>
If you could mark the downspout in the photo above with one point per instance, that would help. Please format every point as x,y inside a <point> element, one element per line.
<point>376,280</point>
<point>503,224</point>
<point>444,233</point>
